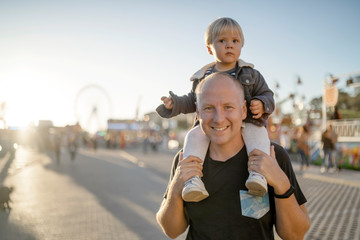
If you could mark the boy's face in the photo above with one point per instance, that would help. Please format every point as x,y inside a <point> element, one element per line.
<point>226,50</point>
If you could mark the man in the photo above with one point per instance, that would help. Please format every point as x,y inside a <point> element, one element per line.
<point>230,212</point>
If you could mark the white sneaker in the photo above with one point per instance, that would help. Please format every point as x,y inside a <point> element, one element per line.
<point>257,184</point>
<point>194,190</point>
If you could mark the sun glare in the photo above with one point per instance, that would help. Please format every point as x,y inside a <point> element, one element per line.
<point>23,106</point>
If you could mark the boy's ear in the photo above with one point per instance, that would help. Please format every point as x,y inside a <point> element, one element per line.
<point>209,50</point>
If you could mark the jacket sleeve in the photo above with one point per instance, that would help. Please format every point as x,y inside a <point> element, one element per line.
<point>262,92</point>
<point>181,104</point>
<point>255,87</point>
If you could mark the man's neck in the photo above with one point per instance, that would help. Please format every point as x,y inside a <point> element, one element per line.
<point>225,152</point>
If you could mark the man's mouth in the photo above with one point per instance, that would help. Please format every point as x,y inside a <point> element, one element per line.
<point>220,129</point>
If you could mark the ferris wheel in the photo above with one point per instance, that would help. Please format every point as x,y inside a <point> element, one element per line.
<point>92,108</point>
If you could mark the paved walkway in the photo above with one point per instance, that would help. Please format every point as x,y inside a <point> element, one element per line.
<point>91,198</point>
<point>333,198</point>
<point>162,160</point>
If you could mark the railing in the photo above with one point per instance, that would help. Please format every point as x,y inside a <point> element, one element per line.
<point>347,130</point>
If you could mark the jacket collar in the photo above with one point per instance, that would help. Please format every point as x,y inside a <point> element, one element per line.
<point>200,74</point>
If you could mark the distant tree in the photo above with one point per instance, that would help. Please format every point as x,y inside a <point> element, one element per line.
<point>316,103</point>
<point>349,106</point>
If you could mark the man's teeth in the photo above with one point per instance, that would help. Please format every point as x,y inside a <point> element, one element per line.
<point>220,129</point>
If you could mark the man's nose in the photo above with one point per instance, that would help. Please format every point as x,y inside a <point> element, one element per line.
<point>218,116</point>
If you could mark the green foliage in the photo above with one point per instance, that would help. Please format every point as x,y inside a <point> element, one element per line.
<point>344,163</point>
<point>348,102</point>
<point>348,105</point>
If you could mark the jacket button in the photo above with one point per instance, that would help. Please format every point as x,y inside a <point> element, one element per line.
<point>247,81</point>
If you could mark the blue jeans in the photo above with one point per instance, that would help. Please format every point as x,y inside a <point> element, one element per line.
<point>328,157</point>
<point>304,158</point>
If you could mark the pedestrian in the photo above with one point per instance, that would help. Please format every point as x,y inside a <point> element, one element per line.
<point>336,150</point>
<point>224,40</point>
<point>328,148</point>
<point>230,212</point>
<point>72,144</point>
<point>336,115</point>
<point>303,147</point>
<point>57,146</point>
<point>285,140</point>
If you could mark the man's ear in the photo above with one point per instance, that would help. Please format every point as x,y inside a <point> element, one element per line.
<point>197,110</point>
<point>209,49</point>
<point>244,110</point>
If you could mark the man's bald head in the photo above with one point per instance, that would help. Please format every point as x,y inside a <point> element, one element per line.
<point>216,80</point>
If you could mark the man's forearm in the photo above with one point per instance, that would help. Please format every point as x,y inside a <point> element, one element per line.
<point>171,216</point>
<point>292,220</point>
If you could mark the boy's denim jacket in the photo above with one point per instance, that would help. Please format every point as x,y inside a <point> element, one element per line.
<point>254,84</point>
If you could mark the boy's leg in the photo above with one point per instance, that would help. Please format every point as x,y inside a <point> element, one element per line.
<point>196,144</point>
<point>256,137</point>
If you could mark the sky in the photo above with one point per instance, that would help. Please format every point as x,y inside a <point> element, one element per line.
<point>89,61</point>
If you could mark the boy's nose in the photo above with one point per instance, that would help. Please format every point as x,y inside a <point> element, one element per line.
<point>229,45</point>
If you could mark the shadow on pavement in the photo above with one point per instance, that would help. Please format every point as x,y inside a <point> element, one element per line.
<point>11,231</point>
<point>121,187</point>
<point>9,158</point>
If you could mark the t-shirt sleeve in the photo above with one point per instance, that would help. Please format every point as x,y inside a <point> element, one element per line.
<point>172,173</point>
<point>284,162</point>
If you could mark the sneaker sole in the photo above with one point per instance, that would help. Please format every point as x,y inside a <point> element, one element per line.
<point>194,196</point>
<point>256,188</point>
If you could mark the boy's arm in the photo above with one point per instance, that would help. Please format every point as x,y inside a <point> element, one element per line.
<point>262,92</point>
<point>181,104</point>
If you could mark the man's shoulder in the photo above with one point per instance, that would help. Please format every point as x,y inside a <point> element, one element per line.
<point>280,152</point>
<point>282,157</point>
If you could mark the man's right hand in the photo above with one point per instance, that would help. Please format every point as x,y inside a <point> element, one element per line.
<point>168,102</point>
<point>187,168</point>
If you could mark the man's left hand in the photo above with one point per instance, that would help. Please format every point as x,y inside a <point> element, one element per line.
<point>267,165</point>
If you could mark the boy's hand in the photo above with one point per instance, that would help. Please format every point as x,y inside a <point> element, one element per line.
<point>168,102</point>
<point>256,108</point>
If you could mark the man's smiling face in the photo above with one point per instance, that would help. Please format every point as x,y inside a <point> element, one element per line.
<point>221,109</point>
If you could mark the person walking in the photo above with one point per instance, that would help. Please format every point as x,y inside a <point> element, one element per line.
<point>328,148</point>
<point>303,147</point>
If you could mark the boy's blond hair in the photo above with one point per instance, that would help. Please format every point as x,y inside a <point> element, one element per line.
<point>221,25</point>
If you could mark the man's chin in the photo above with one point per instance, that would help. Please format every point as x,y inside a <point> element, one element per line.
<point>218,140</point>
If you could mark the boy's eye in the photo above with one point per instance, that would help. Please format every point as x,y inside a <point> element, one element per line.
<point>221,40</point>
<point>235,41</point>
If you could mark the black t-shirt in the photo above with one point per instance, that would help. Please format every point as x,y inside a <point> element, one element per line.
<point>219,216</point>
